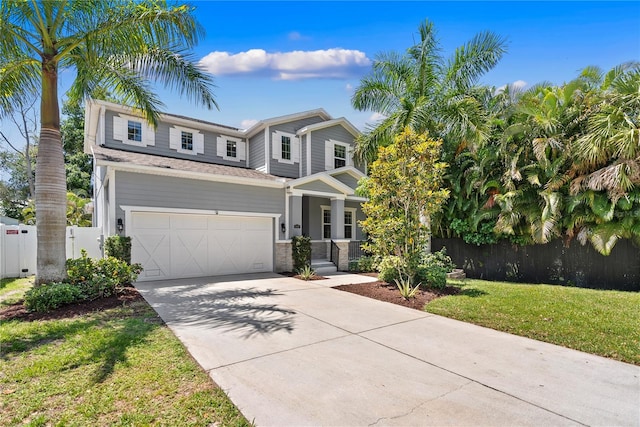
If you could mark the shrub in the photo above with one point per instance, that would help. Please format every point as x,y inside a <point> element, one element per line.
<point>433,269</point>
<point>51,296</point>
<point>118,247</point>
<point>367,264</point>
<point>306,273</point>
<point>118,270</point>
<point>79,270</point>
<point>406,289</point>
<point>390,267</point>
<point>301,252</point>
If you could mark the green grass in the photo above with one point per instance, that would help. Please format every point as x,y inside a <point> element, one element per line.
<point>117,367</point>
<point>600,322</point>
<point>12,290</point>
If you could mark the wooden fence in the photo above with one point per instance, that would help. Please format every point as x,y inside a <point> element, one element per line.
<point>553,263</point>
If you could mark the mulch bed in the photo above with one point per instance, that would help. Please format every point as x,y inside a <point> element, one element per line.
<point>18,310</point>
<point>387,292</point>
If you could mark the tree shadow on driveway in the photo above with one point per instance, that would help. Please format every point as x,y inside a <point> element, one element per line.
<point>245,310</point>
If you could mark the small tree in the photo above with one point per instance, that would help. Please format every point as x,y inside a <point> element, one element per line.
<point>404,191</point>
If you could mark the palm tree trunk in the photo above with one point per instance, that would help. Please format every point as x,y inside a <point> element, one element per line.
<point>50,184</point>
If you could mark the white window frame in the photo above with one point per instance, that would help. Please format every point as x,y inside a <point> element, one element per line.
<point>121,131</point>
<point>276,147</point>
<point>184,134</point>
<point>324,209</point>
<point>327,208</point>
<point>330,157</point>
<point>352,211</point>
<point>221,151</point>
<point>175,140</point>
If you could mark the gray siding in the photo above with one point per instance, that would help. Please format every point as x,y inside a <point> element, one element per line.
<point>256,151</point>
<point>318,139</point>
<point>359,217</point>
<point>285,169</point>
<point>317,186</point>
<point>169,192</point>
<point>303,155</point>
<point>347,179</point>
<point>161,147</point>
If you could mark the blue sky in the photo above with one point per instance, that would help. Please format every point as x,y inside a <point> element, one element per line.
<point>251,48</point>
<point>258,76</point>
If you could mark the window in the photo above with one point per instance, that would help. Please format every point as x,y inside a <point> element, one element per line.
<point>286,148</point>
<point>340,156</point>
<point>336,154</point>
<point>348,224</point>
<point>186,140</point>
<point>134,131</point>
<point>326,223</point>
<point>232,149</point>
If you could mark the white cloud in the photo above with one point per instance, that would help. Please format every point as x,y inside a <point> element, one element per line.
<point>295,35</point>
<point>376,117</point>
<point>516,86</point>
<point>247,123</point>
<point>333,63</point>
<point>348,87</point>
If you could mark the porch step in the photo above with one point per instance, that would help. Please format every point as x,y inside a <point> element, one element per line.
<point>323,266</point>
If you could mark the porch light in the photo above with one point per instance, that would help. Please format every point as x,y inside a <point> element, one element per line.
<point>120,225</point>
<point>283,227</point>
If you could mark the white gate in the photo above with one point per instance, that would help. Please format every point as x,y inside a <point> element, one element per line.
<point>18,245</point>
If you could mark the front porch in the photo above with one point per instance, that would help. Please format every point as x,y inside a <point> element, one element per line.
<point>325,208</point>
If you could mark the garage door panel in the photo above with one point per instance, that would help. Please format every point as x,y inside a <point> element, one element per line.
<point>189,251</point>
<point>152,249</point>
<point>184,245</point>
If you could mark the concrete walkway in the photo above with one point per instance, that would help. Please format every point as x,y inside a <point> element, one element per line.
<point>294,353</point>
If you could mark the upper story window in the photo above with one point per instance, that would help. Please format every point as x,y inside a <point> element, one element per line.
<point>285,147</point>
<point>132,131</point>
<point>339,156</point>
<point>336,154</point>
<point>231,148</point>
<point>186,141</point>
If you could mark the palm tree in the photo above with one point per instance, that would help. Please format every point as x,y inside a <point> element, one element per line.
<point>427,92</point>
<point>113,44</point>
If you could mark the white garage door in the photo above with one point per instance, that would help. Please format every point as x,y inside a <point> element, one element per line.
<point>172,246</point>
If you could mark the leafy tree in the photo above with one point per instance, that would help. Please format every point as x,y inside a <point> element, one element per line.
<point>428,92</point>
<point>77,164</point>
<point>114,44</point>
<point>403,187</point>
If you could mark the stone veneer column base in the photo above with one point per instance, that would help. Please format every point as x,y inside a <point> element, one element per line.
<point>284,257</point>
<point>343,261</point>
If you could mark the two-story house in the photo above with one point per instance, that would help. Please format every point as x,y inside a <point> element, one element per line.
<point>204,199</point>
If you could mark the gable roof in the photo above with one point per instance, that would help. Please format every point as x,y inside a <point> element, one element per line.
<point>287,118</point>
<point>333,122</point>
<point>160,165</point>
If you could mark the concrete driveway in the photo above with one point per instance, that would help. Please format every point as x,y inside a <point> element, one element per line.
<point>294,353</point>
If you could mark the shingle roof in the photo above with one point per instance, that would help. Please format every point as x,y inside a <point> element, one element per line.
<point>127,157</point>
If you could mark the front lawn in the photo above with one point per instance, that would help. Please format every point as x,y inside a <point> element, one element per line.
<point>12,290</point>
<point>606,323</point>
<point>120,366</point>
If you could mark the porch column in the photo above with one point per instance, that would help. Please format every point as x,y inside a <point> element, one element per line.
<point>295,216</point>
<point>337,219</point>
